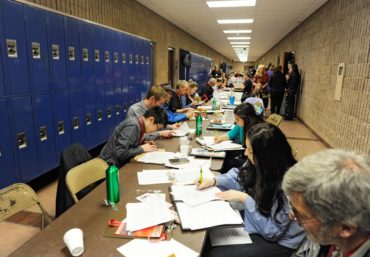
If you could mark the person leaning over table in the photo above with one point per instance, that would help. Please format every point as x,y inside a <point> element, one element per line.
<point>257,186</point>
<point>174,117</point>
<point>129,137</point>
<point>206,92</point>
<point>176,102</point>
<point>246,116</point>
<point>329,192</point>
<point>155,97</point>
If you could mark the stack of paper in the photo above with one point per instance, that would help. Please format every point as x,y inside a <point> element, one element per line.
<point>229,236</point>
<point>202,152</point>
<point>227,145</point>
<point>192,196</point>
<point>192,164</point>
<point>156,157</point>
<point>182,130</point>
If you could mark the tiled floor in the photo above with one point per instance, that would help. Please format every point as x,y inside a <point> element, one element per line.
<point>12,235</point>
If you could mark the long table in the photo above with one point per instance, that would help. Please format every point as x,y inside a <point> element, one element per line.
<point>92,216</point>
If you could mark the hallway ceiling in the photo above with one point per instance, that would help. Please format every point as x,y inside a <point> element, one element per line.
<point>273,19</point>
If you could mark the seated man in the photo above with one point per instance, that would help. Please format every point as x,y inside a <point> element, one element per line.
<point>128,139</point>
<point>206,92</point>
<point>176,102</point>
<point>174,117</point>
<point>155,97</point>
<point>329,194</point>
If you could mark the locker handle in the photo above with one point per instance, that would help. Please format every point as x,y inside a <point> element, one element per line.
<point>11,46</point>
<point>109,112</point>
<point>1,153</point>
<point>142,59</point>
<point>22,140</point>
<point>115,57</point>
<point>43,133</point>
<point>136,59</point>
<point>124,107</point>
<point>117,109</point>
<point>106,56</point>
<point>88,119</point>
<point>97,56</point>
<point>100,115</point>
<point>61,127</point>
<point>55,52</point>
<point>76,123</point>
<point>36,53</point>
<point>71,53</point>
<point>123,58</point>
<point>147,60</point>
<point>131,59</point>
<point>85,54</point>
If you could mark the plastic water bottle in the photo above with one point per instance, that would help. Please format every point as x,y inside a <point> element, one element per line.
<point>198,126</point>
<point>232,98</point>
<point>214,103</point>
<point>112,182</point>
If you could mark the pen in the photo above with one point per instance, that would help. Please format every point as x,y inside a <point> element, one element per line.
<point>201,176</point>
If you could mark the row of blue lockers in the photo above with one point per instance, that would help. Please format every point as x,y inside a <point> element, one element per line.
<point>62,81</point>
<point>200,68</point>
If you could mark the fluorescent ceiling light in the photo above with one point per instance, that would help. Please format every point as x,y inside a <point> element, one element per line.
<point>235,21</point>
<point>237,31</point>
<point>238,38</point>
<point>237,3</point>
<point>240,46</point>
<point>240,43</point>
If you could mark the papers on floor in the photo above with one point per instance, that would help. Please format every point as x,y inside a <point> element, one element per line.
<point>182,130</point>
<point>156,157</point>
<point>227,145</point>
<point>145,248</point>
<point>147,214</point>
<point>202,152</point>
<point>192,196</point>
<point>229,236</point>
<point>181,176</point>
<point>209,214</point>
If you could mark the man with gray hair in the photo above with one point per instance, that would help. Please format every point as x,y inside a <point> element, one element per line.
<point>206,92</point>
<point>329,193</point>
<point>175,104</point>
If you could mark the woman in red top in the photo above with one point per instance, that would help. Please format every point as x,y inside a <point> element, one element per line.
<point>260,83</point>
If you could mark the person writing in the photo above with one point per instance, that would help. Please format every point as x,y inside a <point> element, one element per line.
<point>257,187</point>
<point>129,137</point>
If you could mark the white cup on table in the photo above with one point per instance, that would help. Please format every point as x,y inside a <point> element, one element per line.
<point>73,238</point>
<point>184,150</point>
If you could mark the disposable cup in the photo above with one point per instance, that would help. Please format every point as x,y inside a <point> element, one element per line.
<point>184,150</point>
<point>73,238</point>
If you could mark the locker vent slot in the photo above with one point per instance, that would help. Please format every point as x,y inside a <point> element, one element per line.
<point>36,53</point>
<point>61,127</point>
<point>22,140</point>
<point>11,46</point>
<point>76,123</point>
<point>43,133</point>
<point>55,52</point>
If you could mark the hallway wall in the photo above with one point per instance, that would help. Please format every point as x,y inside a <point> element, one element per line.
<point>133,17</point>
<point>339,32</point>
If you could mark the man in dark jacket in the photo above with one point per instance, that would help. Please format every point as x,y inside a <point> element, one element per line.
<point>277,84</point>
<point>293,81</point>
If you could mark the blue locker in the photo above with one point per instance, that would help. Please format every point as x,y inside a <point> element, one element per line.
<point>62,120</point>
<point>45,134</point>
<point>87,64</point>
<point>37,48</point>
<point>101,134</point>
<point>14,50</point>
<point>24,138</point>
<point>149,64</point>
<point>90,117</point>
<point>117,73</point>
<point>131,70</point>
<point>141,70</point>
<point>77,116</point>
<point>8,172</point>
<point>2,84</point>
<point>125,88</point>
<point>72,35</point>
<point>57,51</point>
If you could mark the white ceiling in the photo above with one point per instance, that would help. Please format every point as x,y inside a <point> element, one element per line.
<point>273,19</point>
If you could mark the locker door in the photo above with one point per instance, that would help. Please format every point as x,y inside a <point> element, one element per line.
<point>37,48</point>
<point>14,50</point>
<point>109,83</point>
<point>57,51</point>
<point>76,106</point>
<point>90,117</point>
<point>23,139</point>
<point>8,172</point>
<point>141,70</point>
<point>45,136</point>
<point>131,71</point>
<point>99,83</point>
<point>148,63</point>
<point>62,120</point>
<point>137,86</point>
<point>117,73</point>
<point>73,52</point>
<point>2,84</point>
<point>125,88</point>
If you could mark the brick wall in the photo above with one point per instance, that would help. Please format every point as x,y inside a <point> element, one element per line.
<point>132,17</point>
<point>338,32</point>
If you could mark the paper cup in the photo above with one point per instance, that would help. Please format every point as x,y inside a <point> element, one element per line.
<point>73,238</point>
<point>184,150</point>
<point>184,141</point>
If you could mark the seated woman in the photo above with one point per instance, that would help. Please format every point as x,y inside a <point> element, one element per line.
<point>193,99</point>
<point>245,117</point>
<point>257,187</point>
<point>128,139</point>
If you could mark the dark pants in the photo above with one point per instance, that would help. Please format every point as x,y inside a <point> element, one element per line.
<point>233,159</point>
<point>290,102</point>
<point>265,101</point>
<point>259,248</point>
<point>276,100</point>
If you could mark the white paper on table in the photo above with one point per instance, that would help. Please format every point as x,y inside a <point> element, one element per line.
<point>153,177</point>
<point>192,164</point>
<point>156,157</point>
<point>209,214</point>
<point>192,196</point>
<point>145,248</point>
<point>182,130</point>
<point>144,215</point>
<point>222,146</point>
<point>187,176</point>
<point>229,236</point>
<point>153,197</point>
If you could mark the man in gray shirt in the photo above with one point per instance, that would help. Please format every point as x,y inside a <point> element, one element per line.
<point>154,97</point>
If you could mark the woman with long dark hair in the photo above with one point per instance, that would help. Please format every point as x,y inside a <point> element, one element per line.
<point>293,82</point>
<point>245,116</point>
<point>257,186</point>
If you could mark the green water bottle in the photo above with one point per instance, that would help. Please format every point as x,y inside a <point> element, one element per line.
<point>214,103</point>
<point>112,182</point>
<point>198,125</point>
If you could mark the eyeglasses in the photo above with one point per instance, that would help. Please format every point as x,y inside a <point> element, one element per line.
<point>296,216</point>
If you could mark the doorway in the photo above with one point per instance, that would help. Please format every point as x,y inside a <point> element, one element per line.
<point>171,65</point>
<point>289,57</point>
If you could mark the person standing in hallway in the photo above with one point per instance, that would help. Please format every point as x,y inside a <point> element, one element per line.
<point>216,72</point>
<point>293,81</point>
<point>329,193</point>
<point>260,83</point>
<point>277,84</point>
